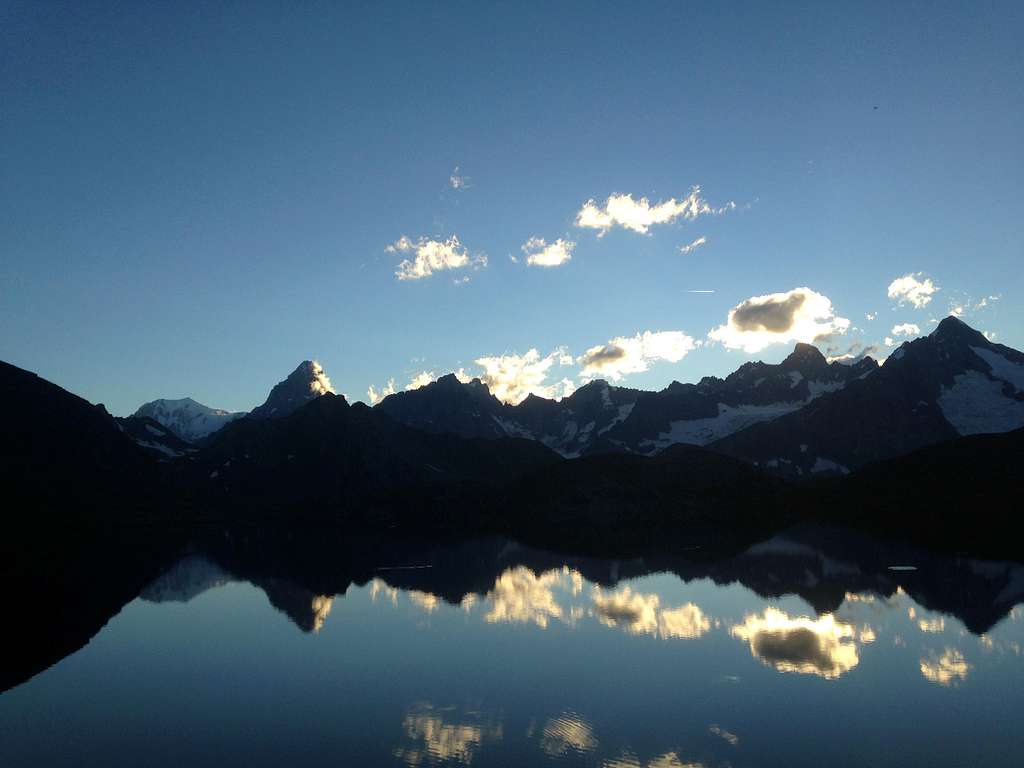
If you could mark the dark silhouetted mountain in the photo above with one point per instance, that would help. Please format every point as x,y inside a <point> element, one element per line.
<point>62,455</point>
<point>189,420</point>
<point>305,383</point>
<point>952,382</point>
<point>469,409</point>
<point>328,456</point>
<point>160,442</point>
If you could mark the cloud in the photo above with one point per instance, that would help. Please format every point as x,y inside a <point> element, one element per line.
<point>822,646</point>
<point>914,289</point>
<point>641,614</point>
<point>512,377</point>
<point>906,329</point>
<point>421,379</point>
<point>457,181</point>
<point>852,354</point>
<point>376,396</point>
<point>797,315</point>
<point>625,355</point>
<point>320,384</point>
<point>889,341</point>
<point>640,215</point>
<point>540,253</point>
<point>430,256</point>
<point>685,249</point>
<point>871,315</point>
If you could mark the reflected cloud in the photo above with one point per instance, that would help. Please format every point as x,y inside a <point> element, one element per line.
<point>568,732</point>
<point>379,588</point>
<point>640,614</point>
<point>521,596</point>
<point>822,646</point>
<point>728,736</point>
<point>948,669</point>
<point>432,737</point>
<point>667,760</point>
<point>424,600</point>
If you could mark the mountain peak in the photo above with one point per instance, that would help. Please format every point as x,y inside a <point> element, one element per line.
<point>952,328</point>
<point>307,382</point>
<point>805,358</point>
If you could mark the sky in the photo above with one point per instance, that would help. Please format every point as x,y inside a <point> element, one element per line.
<point>195,197</point>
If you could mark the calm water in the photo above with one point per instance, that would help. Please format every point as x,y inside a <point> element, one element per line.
<point>493,654</point>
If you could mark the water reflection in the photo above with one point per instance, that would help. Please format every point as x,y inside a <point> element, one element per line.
<point>947,669</point>
<point>432,736</point>
<point>640,614</point>
<point>567,659</point>
<point>822,646</point>
<point>565,733</point>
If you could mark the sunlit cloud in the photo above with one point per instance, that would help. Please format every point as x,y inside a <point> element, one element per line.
<point>430,256</point>
<point>512,377</point>
<point>319,384</point>
<point>797,315</point>
<point>691,247</point>
<point>639,215</point>
<point>424,600</point>
<point>948,669</point>
<point>822,646</point>
<point>906,329</point>
<point>625,355</point>
<point>376,395</point>
<point>540,253</point>
<point>421,379</point>
<point>914,289</point>
<point>641,614</point>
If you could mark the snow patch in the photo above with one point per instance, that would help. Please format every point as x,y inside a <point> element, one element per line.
<point>827,465</point>
<point>1002,368</point>
<point>975,404</point>
<point>729,419</point>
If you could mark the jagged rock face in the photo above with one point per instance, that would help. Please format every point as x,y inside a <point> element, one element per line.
<point>469,409</point>
<point>598,418</point>
<point>953,382</point>
<point>185,417</point>
<point>305,383</point>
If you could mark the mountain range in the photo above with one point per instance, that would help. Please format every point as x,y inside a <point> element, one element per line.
<point>718,454</point>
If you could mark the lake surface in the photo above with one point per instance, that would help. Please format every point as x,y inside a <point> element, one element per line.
<point>490,653</point>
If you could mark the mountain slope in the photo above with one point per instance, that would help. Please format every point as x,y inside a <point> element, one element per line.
<point>61,455</point>
<point>188,419</point>
<point>952,382</point>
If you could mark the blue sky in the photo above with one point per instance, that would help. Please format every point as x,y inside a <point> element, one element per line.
<point>196,197</point>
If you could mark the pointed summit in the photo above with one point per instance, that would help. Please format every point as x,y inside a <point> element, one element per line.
<point>305,383</point>
<point>952,328</point>
<point>806,359</point>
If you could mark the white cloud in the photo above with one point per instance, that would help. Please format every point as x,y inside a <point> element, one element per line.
<point>431,256</point>
<point>421,379</point>
<point>906,329</point>
<point>640,215</point>
<point>540,253</point>
<point>888,341</point>
<point>458,181</point>
<point>625,355</point>
<point>797,315</point>
<point>914,289</point>
<point>871,315</point>
<point>690,248</point>
<point>512,377</point>
<point>376,396</point>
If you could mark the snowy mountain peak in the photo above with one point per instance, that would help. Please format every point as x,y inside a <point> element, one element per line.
<point>307,382</point>
<point>187,418</point>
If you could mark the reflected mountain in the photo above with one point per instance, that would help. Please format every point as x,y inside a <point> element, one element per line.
<point>304,572</point>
